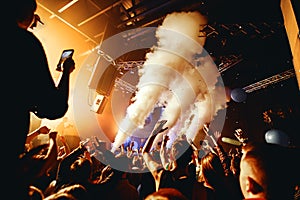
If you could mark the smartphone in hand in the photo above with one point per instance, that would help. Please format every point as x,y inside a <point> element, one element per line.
<point>67,53</point>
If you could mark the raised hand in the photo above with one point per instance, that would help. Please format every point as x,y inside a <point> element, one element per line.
<point>217,135</point>
<point>69,65</point>
<point>44,130</point>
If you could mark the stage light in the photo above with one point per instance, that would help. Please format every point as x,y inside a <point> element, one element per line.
<point>67,6</point>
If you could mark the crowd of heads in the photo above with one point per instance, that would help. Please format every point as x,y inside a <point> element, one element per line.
<point>253,170</point>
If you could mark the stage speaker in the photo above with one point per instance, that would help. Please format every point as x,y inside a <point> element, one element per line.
<point>99,104</point>
<point>107,81</point>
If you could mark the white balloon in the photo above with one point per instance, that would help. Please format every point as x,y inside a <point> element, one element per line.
<point>238,95</point>
<point>275,136</point>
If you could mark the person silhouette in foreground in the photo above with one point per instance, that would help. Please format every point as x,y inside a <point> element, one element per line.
<point>268,171</point>
<point>30,88</point>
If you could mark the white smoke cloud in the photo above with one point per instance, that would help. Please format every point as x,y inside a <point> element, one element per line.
<point>169,77</point>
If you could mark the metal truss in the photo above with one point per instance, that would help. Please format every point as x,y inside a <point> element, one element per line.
<point>126,65</point>
<point>124,86</point>
<point>269,81</point>
<point>252,30</point>
<point>226,62</point>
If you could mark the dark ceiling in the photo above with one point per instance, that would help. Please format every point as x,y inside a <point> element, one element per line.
<point>247,39</point>
<point>94,17</point>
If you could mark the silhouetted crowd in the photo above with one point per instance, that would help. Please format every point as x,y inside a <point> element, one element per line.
<point>180,170</point>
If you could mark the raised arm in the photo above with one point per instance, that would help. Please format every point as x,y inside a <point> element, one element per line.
<point>66,147</point>
<point>51,156</point>
<point>151,163</point>
<point>225,160</point>
<point>35,133</point>
<point>52,103</point>
<point>163,156</point>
